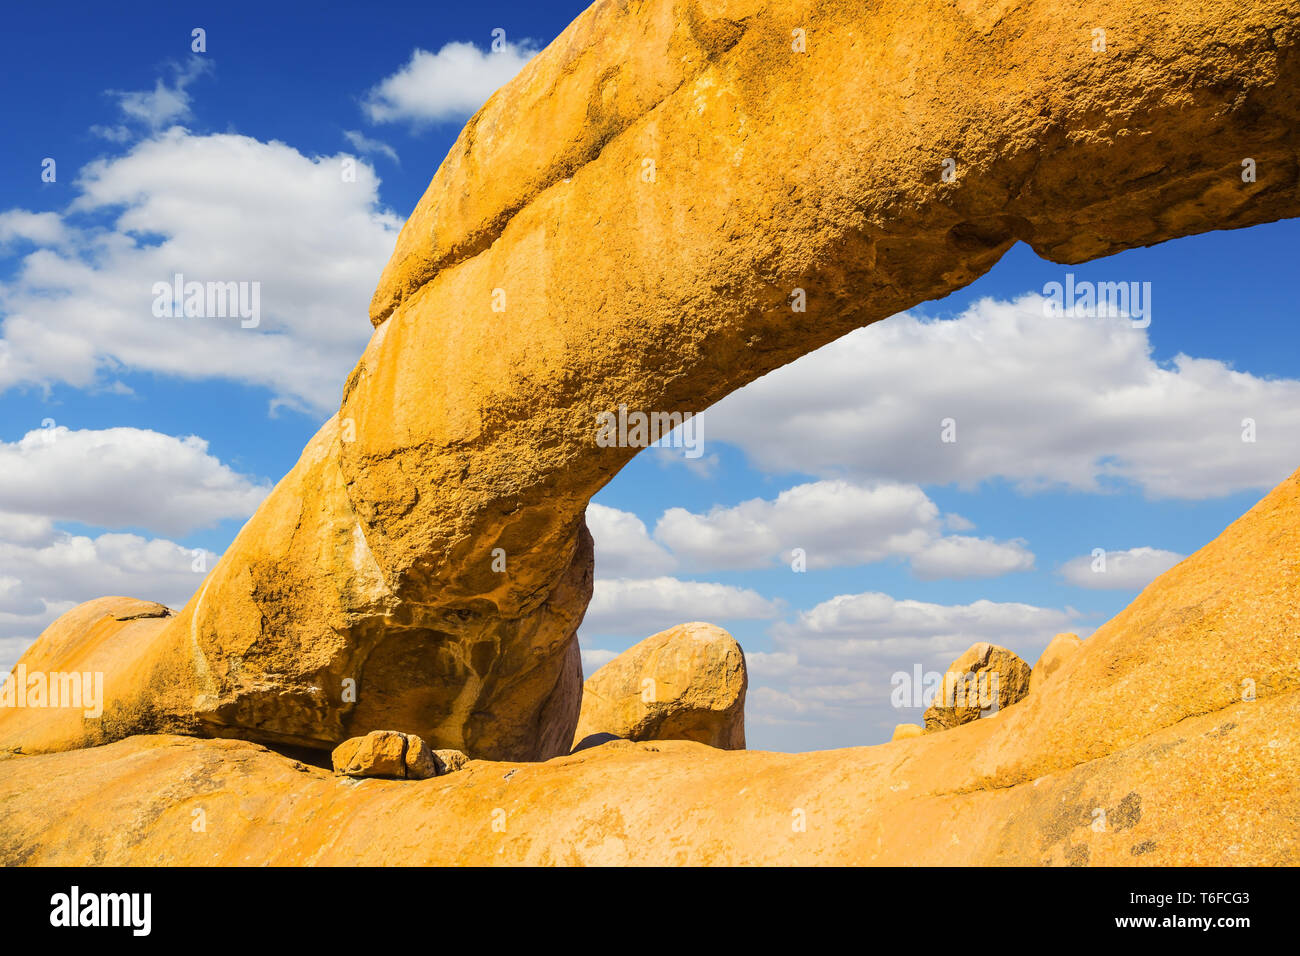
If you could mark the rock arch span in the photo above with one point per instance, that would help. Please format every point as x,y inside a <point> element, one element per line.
<point>644,198</point>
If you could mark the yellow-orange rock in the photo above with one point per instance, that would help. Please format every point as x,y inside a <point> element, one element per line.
<point>626,222</point>
<point>982,682</point>
<point>385,753</point>
<point>100,660</point>
<point>685,683</point>
<point>449,761</point>
<point>905,731</point>
<point>380,753</point>
<point>1061,649</point>
<point>677,803</point>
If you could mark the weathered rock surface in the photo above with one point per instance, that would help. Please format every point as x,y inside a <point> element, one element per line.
<point>904,731</point>
<point>385,753</point>
<point>1218,789</point>
<point>449,761</point>
<point>985,680</point>
<point>625,223</point>
<point>111,639</point>
<point>685,683</point>
<point>380,753</point>
<point>1061,649</point>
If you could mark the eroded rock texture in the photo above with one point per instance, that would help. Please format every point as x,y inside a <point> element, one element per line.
<point>95,656</point>
<point>982,682</point>
<point>685,683</point>
<point>389,754</point>
<point>627,222</point>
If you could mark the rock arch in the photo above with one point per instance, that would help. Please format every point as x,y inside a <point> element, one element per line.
<point>664,286</point>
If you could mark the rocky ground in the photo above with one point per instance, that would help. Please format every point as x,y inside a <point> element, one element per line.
<point>1168,737</point>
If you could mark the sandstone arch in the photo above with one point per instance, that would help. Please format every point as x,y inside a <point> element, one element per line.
<point>464,430</point>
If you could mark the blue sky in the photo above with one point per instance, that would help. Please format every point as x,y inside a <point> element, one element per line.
<point>130,442</point>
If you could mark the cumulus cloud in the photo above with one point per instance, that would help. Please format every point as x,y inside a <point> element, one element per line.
<point>220,208</point>
<point>448,85</point>
<point>45,228</point>
<point>849,628</point>
<point>770,664</point>
<point>963,556</point>
<point>623,546</point>
<point>120,478</point>
<point>1042,400</point>
<point>834,524</point>
<point>645,606</point>
<point>1129,570</point>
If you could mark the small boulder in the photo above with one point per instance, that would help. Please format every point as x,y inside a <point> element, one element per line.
<point>980,683</point>
<point>685,683</point>
<point>385,753</point>
<point>1061,648</point>
<point>449,761</point>
<point>421,762</point>
<point>904,731</point>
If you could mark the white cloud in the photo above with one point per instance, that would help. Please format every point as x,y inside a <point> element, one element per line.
<point>165,104</point>
<point>704,467</point>
<point>119,133</point>
<point>961,556</point>
<point>767,705</point>
<point>45,228</point>
<point>1128,570</point>
<point>955,522</point>
<point>851,628</point>
<point>623,547</point>
<point>594,658</point>
<point>769,664</point>
<point>24,529</point>
<point>120,478</point>
<point>642,607</point>
<point>213,208</point>
<point>1038,399</point>
<point>450,84</point>
<point>836,523</point>
<point>366,146</point>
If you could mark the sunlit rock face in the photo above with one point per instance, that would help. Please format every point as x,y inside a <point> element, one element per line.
<point>671,200</point>
<point>685,683</point>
